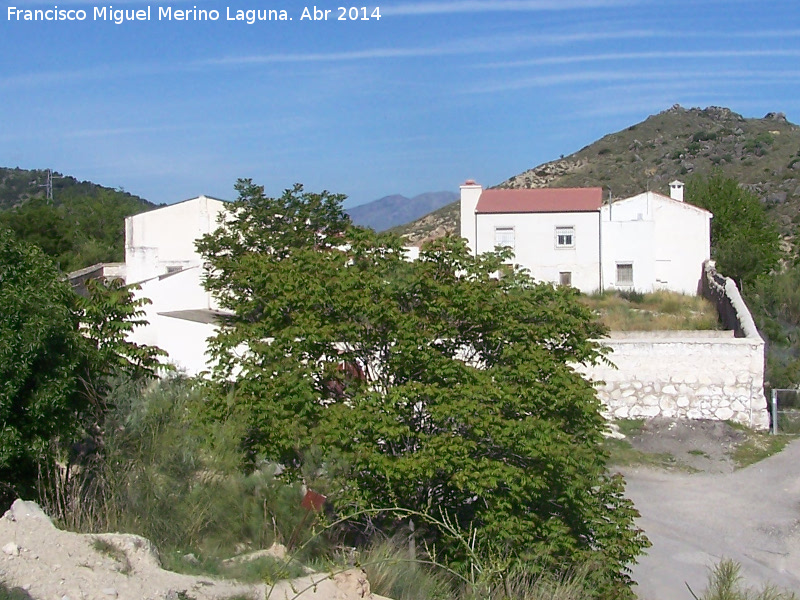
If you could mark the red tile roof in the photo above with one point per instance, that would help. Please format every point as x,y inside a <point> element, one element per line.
<point>540,200</point>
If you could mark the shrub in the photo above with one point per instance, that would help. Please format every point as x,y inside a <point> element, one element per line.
<point>725,583</point>
<point>160,476</point>
<point>392,572</point>
<point>632,296</point>
<point>42,360</point>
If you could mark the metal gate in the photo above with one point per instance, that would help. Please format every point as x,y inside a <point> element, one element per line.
<point>785,411</point>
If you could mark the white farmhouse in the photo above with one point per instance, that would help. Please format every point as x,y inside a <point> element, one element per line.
<point>570,237</point>
<point>160,257</point>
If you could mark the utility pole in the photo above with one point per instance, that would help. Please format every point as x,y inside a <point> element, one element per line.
<point>48,185</point>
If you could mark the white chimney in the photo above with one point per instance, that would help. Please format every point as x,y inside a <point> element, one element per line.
<point>470,194</point>
<point>676,190</point>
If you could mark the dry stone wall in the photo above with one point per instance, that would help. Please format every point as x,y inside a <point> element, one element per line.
<point>692,375</point>
<point>689,374</point>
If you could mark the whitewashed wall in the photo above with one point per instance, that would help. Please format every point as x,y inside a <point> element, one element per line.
<point>165,237</point>
<point>177,301</point>
<point>180,312</point>
<point>666,240</point>
<point>535,244</point>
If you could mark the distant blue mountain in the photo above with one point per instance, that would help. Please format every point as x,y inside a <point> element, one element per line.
<point>391,211</point>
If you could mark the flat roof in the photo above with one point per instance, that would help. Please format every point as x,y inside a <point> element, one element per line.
<point>540,200</point>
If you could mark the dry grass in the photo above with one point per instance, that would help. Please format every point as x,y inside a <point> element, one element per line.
<point>657,311</point>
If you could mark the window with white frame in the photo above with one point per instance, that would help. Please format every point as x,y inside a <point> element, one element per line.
<point>565,278</point>
<point>504,237</point>
<point>565,237</point>
<point>624,273</point>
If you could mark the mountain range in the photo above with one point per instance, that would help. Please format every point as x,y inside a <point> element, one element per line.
<point>391,211</point>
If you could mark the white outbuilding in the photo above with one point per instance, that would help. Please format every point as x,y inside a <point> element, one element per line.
<point>161,258</point>
<point>569,236</point>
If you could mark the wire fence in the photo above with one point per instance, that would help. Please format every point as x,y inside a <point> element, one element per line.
<point>785,411</point>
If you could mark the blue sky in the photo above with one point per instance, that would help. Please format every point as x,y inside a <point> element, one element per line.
<point>431,94</point>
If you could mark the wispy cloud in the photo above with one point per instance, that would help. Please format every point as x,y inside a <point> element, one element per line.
<point>653,55</point>
<point>482,6</point>
<point>478,45</point>
<point>611,76</point>
<point>311,57</point>
<point>100,72</point>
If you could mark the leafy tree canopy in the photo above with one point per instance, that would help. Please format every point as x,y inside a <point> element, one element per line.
<point>56,352</point>
<point>80,230</point>
<point>744,242</point>
<point>441,384</point>
<point>41,355</point>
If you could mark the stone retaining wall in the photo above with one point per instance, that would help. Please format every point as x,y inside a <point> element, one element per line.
<point>689,374</point>
<point>681,375</point>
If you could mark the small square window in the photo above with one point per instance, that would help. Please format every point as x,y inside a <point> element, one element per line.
<point>565,237</point>
<point>504,237</point>
<point>624,273</point>
<point>565,278</point>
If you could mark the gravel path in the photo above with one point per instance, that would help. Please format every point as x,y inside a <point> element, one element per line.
<point>694,520</point>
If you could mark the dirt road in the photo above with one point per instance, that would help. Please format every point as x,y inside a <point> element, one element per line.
<point>693,520</point>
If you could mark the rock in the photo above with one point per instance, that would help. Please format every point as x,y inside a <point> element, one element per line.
<point>140,551</point>
<point>22,510</point>
<point>276,551</point>
<point>777,197</point>
<point>353,583</point>
<point>111,592</point>
<point>190,559</point>
<point>612,431</point>
<point>11,549</point>
<point>775,116</point>
<point>724,414</point>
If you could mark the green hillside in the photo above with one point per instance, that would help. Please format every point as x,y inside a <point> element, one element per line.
<point>81,225</point>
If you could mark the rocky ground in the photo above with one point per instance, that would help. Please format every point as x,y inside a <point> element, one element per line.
<point>704,446</point>
<point>39,561</point>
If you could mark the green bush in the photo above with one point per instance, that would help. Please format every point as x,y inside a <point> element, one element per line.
<point>725,583</point>
<point>161,476</point>
<point>634,296</point>
<point>42,363</point>
<point>391,572</point>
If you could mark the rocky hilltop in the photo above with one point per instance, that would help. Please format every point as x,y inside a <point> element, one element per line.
<point>763,154</point>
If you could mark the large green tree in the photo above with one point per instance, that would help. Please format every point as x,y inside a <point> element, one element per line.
<point>447,383</point>
<point>745,244</point>
<point>41,354</point>
<point>57,352</point>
